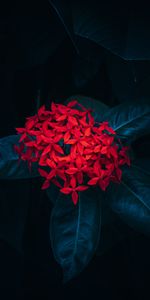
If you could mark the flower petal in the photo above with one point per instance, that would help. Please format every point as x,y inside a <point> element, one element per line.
<point>58,149</point>
<point>73,182</point>
<point>66,190</point>
<point>93,181</point>
<point>51,174</point>
<point>81,188</point>
<point>72,120</point>
<point>45,185</point>
<point>80,177</point>
<point>72,171</point>
<point>72,103</point>
<point>75,197</point>
<point>46,150</point>
<point>43,173</point>
<point>67,136</point>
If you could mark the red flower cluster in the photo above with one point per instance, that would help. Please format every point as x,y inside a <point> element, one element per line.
<point>73,151</point>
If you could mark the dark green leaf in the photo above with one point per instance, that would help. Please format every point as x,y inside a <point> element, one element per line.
<point>131,199</point>
<point>99,22</point>
<point>116,26</point>
<point>130,121</point>
<point>75,231</point>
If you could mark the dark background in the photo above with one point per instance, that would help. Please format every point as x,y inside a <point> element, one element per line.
<point>39,61</point>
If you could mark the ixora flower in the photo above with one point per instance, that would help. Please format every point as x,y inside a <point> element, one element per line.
<point>72,150</point>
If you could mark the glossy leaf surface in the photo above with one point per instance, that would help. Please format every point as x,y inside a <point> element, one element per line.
<point>130,121</point>
<point>75,231</point>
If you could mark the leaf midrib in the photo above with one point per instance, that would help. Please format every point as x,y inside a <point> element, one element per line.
<point>129,122</point>
<point>78,226</point>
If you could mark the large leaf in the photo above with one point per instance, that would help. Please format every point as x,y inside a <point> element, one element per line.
<point>75,231</point>
<point>10,167</point>
<point>131,199</point>
<point>99,23</point>
<point>117,26</point>
<point>130,121</point>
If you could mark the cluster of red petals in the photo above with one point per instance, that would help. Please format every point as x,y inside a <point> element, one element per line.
<point>72,151</point>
